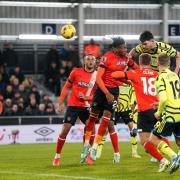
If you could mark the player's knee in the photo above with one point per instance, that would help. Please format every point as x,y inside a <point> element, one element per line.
<point>107,113</point>
<point>133,132</point>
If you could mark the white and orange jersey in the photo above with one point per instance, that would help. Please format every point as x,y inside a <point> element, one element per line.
<point>84,82</point>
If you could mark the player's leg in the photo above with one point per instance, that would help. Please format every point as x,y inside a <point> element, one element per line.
<point>101,132</point>
<point>84,115</point>
<point>90,126</point>
<point>145,124</point>
<point>114,141</point>
<point>103,140</point>
<point>70,119</point>
<point>133,135</point>
<point>176,161</point>
<point>163,129</point>
<point>97,103</point>
<point>101,145</point>
<point>108,110</point>
<point>127,116</point>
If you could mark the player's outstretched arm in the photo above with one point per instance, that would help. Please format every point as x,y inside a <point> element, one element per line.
<point>100,83</point>
<point>99,80</point>
<point>118,75</point>
<point>177,70</point>
<point>133,54</point>
<point>135,66</point>
<point>63,95</point>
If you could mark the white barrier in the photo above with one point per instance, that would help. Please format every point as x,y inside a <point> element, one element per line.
<point>48,133</point>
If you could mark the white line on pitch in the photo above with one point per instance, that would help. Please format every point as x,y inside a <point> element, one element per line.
<point>51,175</point>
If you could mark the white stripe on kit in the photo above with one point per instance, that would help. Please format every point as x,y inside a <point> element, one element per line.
<point>92,81</point>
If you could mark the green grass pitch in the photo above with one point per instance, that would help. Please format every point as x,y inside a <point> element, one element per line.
<point>34,162</point>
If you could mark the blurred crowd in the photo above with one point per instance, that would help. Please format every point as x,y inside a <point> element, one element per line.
<point>20,96</point>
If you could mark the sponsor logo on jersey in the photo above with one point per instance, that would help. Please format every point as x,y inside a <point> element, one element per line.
<point>85,84</point>
<point>121,63</point>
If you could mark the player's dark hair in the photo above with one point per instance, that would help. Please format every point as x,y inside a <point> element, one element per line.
<point>146,36</point>
<point>163,60</point>
<point>145,59</point>
<point>117,42</point>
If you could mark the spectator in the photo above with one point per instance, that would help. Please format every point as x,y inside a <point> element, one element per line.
<point>28,84</point>
<point>50,109</point>
<point>18,73</point>
<point>42,110</point>
<point>2,85</point>
<point>9,56</point>
<point>52,55</point>
<point>32,108</point>
<point>65,71</point>
<point>63,53</point>
<point>93,49</point>
<point>16,97</point>
<point>15,84</point>
<point>73,56</point>
<point>4,74</point>
<point>15,110</point>
<point>9,93</point>
<point>7,107</point>
<point>52,78</point>
<point>21,106</point>
<point>45,99</point>
<point>36,93</point>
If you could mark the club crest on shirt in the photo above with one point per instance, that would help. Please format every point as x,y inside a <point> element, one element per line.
<point>103,59</point>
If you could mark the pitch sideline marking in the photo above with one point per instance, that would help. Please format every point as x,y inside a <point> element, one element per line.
<point>51,175</point>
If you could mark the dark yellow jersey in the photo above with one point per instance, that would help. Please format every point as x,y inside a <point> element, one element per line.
<point>168,89</point>
<point>125,98</point>
<point>161,48</point>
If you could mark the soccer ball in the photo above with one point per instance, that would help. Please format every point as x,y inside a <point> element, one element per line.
<point>68,31</point>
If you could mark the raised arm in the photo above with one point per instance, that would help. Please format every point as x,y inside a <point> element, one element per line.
<point>63,95</point>
<point>177,70</point>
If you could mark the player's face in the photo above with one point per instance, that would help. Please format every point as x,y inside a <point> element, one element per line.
<point>90,62</point>
<point>149,44</point>
<point>121,50</point>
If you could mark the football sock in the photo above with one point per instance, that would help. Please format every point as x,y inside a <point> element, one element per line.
<point>89,127</point>
<point>179,152</point>
<point>152,150</point>
<point>165,149</point>
<point>60,143</point>
<point>101,144</point>
<point>114,140</point>
<point>134,143</point>
<point>167,142</point>
<point>101,130</point>
<point>91,141</point>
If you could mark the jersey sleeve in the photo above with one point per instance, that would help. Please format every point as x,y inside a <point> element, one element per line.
<point>171,51</point>
<point>138,49</point>
<point>130,63</point>
<point>131,75</point>
<point>160,84</point>
<point>105,61</point>
<point>161,91</point>
<point>72,76</point>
